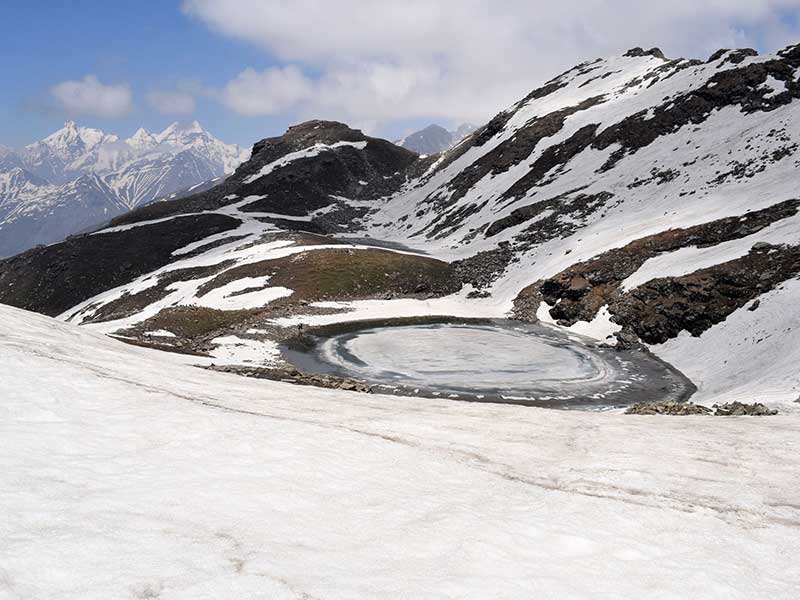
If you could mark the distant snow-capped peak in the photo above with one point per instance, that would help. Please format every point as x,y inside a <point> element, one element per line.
<point>78,176</point>
<point>142,140</point>
<point>184,136</point>
<point>71,141</point>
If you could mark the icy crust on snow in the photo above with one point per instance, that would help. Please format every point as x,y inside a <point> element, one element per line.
<point>529,364</point>
<point>183,483</point>
<point>304,153</point>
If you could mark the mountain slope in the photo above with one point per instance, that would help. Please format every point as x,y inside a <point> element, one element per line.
<point>54,212</point>
<point>134,172</point>
<point>636,199</point>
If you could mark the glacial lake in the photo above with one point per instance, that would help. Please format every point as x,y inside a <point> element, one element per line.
<point>487,360</point>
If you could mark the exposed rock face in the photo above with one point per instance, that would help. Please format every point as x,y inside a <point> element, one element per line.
<point>667,408</point>
<point>733,409</point>
<point>554,218</point>
<point>306,185</point>
<point>510,152</point>
<point>660,309</point>
<point>639,52</point>
<point>738,409</point>
<point>580,291</point>
<point>485,267</point>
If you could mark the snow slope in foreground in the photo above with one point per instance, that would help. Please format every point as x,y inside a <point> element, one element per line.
<point>127,473</point>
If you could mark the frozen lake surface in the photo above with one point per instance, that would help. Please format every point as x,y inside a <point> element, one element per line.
<point>504,361</point>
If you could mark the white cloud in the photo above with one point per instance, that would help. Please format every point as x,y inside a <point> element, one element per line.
<point>267,92</point>
<point>171,102</point>
<point>465,59</point>
<point>91,97</point>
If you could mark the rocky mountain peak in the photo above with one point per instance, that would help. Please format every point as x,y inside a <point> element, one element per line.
<point>637,52</point>
<point>72,137</point>
<point>732,56</point>
<point>183,133</point>
<point>142,140</point>
<point>323,132</point>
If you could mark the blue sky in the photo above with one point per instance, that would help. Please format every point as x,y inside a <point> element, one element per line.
<point>147,44</point>
<point>248,68</point>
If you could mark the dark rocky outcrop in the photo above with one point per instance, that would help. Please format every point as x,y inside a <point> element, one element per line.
<point>554,218</point>
<point>482,269</point>
<point>733,409</point>
<point>660,309</point>
<point>740,409</point>
<point>668,408</point>
<point>516,149</point>
<point>307,184</point>
<point>733,56</point>
<point>732,87</point>
<point>580,291</point>
<point>635,52</point>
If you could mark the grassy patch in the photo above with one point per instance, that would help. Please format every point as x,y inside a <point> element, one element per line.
<point>347,274</point>
<point>192,322</point>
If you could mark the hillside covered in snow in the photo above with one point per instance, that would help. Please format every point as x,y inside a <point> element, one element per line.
<point>78,177</point>
<point>645,202</point>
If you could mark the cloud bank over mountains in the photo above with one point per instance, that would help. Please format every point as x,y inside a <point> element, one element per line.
<point>89,96</point>
<point>456,59</point>
<point>381,62</point>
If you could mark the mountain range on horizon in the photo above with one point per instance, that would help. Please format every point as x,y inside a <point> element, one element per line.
<point>79,177</point>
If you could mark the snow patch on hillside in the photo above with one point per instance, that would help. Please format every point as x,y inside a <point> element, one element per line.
<point>304,153</point>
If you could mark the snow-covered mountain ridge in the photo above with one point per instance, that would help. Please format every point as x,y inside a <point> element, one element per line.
<point>135,171</point>
<point>636,199</point>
